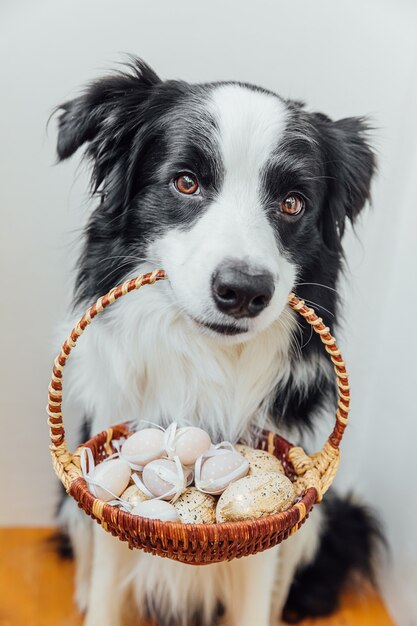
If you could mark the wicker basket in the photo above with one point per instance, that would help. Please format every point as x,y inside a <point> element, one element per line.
<point>198,543</point>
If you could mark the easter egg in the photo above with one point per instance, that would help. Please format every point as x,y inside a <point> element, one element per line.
<point>260,461</point>
<point>196,507</point>
<point>133,495</point>
<point>218,471</point>
<point>143,446</point>
<point>156,509</point>
<point>110,479</point>
<point>164,478</point>
<point>255,496</point>
<point>190,443</point>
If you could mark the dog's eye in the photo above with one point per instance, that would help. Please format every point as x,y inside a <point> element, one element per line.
<point>187,183</point>
<point>293,204</point>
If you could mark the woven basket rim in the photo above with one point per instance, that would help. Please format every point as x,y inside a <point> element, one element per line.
<point>308,499</point>
<point>150,525</point>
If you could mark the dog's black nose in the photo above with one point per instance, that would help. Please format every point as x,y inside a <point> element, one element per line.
<point>241,292</point>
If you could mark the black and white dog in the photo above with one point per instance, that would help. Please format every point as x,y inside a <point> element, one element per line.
<point>241,196</point>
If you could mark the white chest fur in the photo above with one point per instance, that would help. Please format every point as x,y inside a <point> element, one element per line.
<point>145,360</point>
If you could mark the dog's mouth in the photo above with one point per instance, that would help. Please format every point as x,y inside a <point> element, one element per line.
<point>221,329</point>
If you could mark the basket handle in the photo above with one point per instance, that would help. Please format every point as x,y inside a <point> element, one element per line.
<point>317,470</point>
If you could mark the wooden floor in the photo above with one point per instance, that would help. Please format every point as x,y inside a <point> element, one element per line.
<point>36,588</point>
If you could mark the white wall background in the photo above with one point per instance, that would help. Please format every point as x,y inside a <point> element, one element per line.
<point>346,58</point>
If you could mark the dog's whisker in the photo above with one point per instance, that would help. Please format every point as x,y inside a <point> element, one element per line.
<point>309,339</point>
<point>113,271</point>
<point>124,256</point>
<point>127,259</point>
<point>292,337</point>
<point>317,285</point>
<point>316,304</point>
<point>300,329</point>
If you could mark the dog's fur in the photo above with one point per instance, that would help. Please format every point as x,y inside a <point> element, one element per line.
<point>168,352</point>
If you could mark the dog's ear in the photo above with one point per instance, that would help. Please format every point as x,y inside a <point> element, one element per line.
<point>349,164</point>
<point>105,116</point>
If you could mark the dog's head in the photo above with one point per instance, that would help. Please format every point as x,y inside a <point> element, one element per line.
<point>238,194</point>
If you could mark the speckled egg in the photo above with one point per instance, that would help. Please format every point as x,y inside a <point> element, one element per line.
<point>218,471</point>
<point>133,495</point>
<point>196,507</point>
<point>114,476</point>
<point>260,461</point>
<point>144,446</point>
<point>156,509</point>
<point>163,477</point>
<point>255,496</point>
<point>190,443</point>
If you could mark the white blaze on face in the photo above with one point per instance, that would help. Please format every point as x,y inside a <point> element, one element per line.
<point>250,124</point>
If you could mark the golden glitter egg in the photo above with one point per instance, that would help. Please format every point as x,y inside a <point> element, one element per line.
<point>196,507</point>
<point>260,461</point>
<point>133,495</point>
<point>255,496</point>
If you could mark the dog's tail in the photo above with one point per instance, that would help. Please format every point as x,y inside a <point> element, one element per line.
<point>348,547</point>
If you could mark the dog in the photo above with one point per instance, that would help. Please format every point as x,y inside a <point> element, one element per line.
<point>241,196</point>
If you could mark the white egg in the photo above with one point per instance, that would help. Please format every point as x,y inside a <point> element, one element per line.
<point>196,507</point>
<point>144,446</point>
<point>163,478</point>
<point>218,471</point>
<point>255,496</point>
<point>156,509</point>
<point>190,443</point>
<point>114,476</point>
<point>133,495</point>
<point>260,461</point>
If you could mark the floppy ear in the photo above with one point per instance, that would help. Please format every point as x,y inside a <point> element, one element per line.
<point>349,164</point>
<point>103,117</point>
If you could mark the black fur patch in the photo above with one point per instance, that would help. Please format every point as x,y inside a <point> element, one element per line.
<point>61,544</point>
<point>348,545</point>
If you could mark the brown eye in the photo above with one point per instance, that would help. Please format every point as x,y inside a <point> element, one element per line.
<point>293,204</point>
<point>187,183</point>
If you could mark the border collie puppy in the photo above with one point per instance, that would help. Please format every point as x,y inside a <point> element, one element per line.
<point>241,196</point>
